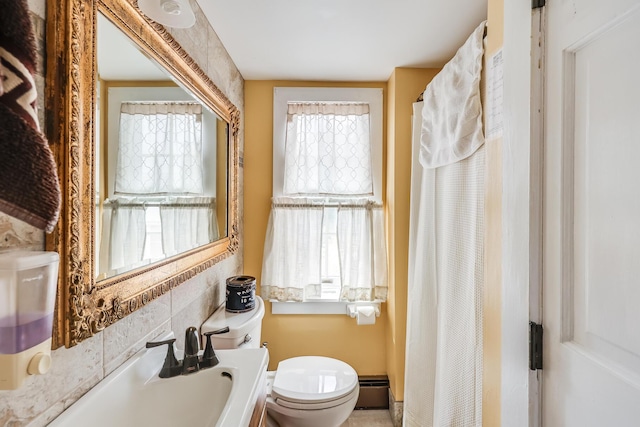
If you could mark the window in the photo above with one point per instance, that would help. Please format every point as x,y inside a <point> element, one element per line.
<point>282,97</point>
<point>325,240</point>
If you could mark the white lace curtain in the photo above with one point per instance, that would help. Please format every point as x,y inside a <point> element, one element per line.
<point>182,223</point>
<point>160,148</point>
<point>327,150</point>
<point>187,222</point>
<point>296,250</point>
<point>363,252</point>
<point>292,249</point>
<point>326,229</point>
<point>125,234</point>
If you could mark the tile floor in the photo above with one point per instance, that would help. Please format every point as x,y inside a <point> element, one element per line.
<point>369,418</point>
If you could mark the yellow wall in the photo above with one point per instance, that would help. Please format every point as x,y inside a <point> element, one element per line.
<point>405,85</point>
<point>363,347</point>
<point>493,246</point>
<point>338,336</point>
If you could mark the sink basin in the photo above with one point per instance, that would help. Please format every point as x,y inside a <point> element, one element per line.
<point>134,395</point>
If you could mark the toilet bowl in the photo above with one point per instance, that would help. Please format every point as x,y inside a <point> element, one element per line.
<point>306,391</point>
<point>312,391</point>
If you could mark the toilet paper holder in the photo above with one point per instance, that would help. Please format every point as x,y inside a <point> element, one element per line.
<point>352,309</point>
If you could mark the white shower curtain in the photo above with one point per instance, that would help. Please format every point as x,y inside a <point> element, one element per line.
<point>443,369</point>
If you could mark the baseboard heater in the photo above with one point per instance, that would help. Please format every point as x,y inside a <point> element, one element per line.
<point>374,392</point>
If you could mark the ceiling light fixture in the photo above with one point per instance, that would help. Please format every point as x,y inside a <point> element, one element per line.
<point>170,13</point>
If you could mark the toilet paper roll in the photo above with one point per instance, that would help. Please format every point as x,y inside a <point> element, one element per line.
<point>366,315</point>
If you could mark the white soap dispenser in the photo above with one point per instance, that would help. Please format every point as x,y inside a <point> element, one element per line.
<point>27,300</point>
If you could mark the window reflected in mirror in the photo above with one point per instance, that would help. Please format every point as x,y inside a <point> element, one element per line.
<point>160,162</point>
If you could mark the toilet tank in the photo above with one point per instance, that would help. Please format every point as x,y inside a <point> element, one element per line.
<point>245,328</point>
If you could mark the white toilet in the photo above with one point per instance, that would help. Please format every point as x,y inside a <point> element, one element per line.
<point>307,391</point>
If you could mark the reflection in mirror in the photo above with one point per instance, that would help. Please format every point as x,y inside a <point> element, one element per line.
<point>161,162</point>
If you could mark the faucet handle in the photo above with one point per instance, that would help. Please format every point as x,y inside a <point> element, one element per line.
<point>209,358</point>
<point>152,344</point>
<point>217,332</point>
<point>171,366</point>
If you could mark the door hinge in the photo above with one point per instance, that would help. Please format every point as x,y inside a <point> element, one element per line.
<point>536,4</point>
<point>535,346</point>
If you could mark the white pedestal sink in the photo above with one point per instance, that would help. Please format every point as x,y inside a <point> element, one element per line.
<point>134,395</point>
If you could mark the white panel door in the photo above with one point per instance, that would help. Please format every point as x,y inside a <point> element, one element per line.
<point>591,303</point>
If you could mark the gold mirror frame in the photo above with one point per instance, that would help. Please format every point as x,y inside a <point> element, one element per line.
<point>84,307</point>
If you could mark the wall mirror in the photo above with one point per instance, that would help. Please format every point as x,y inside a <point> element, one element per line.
<point>146,148</point>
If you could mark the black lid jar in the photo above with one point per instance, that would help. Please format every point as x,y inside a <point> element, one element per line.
<point>241,294</point>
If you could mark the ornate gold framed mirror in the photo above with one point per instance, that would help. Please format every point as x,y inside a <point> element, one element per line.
<point>79,101</point>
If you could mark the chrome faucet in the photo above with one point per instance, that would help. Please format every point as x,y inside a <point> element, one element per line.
<point>192,362</point>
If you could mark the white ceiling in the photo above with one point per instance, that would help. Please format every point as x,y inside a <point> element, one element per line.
<point>340,40</point>
<point>120,59</point>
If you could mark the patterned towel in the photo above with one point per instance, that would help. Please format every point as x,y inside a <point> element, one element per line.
<point>29,187</point>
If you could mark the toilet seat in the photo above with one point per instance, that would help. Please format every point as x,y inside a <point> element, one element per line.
<point>313,382</point>
<point>314,406</point>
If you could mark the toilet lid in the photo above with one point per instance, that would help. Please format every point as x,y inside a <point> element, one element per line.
<point>313,379</point>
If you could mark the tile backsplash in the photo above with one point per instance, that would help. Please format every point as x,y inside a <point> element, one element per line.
<point>76,370</point>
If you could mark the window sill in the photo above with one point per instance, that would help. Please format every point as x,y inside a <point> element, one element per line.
<point>327,307</point>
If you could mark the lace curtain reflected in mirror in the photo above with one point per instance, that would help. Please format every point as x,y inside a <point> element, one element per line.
<point>163,203</point>
<point>160,149</point>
